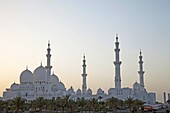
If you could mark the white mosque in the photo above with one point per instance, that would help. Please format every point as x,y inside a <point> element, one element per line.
<point>41,83</point>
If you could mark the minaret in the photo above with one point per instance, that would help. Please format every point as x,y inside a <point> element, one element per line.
<point>48,67</point>
<point>141,72</point>
<point>117,64</point>
<point>84,86</point>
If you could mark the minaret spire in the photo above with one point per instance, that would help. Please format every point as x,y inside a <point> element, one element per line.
<point>117,64</point>
<point>116,37</point>
<point>84,86</point>
<point>141,72</point>
<point>48,67</point>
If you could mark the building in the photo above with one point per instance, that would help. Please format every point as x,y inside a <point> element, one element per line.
<point>41,83</point>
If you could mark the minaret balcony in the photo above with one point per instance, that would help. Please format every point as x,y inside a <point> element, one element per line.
<point>141,72</point>
<point>117,50</point>
<point>117,62</point>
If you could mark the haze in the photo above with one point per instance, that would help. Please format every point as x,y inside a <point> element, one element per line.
<point>76,27</point>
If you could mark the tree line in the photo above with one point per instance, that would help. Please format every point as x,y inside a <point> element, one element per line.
<point>67,105</point>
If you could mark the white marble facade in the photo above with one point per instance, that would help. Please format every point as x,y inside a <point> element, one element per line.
<point>41,83</point>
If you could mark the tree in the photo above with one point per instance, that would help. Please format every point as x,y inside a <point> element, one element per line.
<point>33,105</point>
<point>39,103</point>
<point>88,102</point>
<point>67,104</point>
<point>58,103</point>
<point>1,105</point>
<point>81,103</point>
<point>138,104</point>
<point>52,103</point>
<point>72,104</point>
<point>64,103</point>
<point>129,102</point>
<point>18,103</point>
<point>93,104</point>
<point>113,103</point>
<point>100,103</point>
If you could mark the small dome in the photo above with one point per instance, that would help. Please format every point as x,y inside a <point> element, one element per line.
<point>136,85</point>
<point>26,76</point>
<point>54,79</point>
<point>110,91</point>
<point>14,86</point>
<point>89,91</point>
<point>100,91</point>
<point>58,86</point>
<point>78,92</point>
<point>71,90</point>
<point>40,74</point>
<point>62,86</point>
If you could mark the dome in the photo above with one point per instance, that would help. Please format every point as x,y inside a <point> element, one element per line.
<point>54,79</point>
<point>71,90</point>
<point>62,86</point>
<point>26,76</point>
<point>100,91</point>
<point>136,85</point>
<point>40,74</point>
<point>110,91</point>
<point>78,92</point>
<point>58,86</point>
<point>14,86</point>
<point>89,91</point>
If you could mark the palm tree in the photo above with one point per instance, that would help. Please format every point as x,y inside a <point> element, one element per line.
<point>48,105</point>
<point>7,106</point>
<point>52,102</point>
<point>113,103</point>
<point>101,103</point>
<point>120,104</point>
<point>64,103</point>
<point>72,105</point>
<point>67,104</point>
<point>39,103</point>
<point>88,105</point>
<point>129,102</point>
<point>1,105</point>
<point>81,103</point>
<point>18,103</point>
<point>58,103</point>
<point>138,104</point>
<point>93,104</point>
<point>33,105</point>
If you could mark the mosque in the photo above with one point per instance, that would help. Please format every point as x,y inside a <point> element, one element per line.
<point>42,83</point>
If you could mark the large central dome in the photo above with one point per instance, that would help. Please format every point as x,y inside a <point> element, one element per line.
<point>40,74</point>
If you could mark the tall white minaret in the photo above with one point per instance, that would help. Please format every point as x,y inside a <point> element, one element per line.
<point>84,86</point>
<point>48,67</point>
<point>117,64</point>
<point>141,72</point>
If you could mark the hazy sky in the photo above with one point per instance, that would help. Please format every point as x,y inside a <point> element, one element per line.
<point>76,27</point>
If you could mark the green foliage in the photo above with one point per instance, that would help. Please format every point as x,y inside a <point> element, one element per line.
<point>67,104</point>
<point>17,104</point>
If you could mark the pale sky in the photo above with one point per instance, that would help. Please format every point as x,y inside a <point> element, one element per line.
<point>76,27</point>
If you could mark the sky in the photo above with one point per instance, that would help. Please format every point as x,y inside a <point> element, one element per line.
<point>76,27</point>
